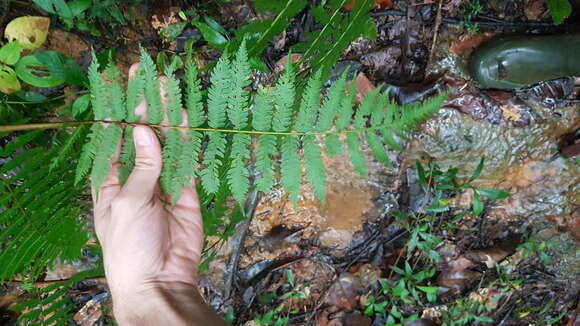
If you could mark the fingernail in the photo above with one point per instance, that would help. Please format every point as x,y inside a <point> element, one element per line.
<point>142,137</point>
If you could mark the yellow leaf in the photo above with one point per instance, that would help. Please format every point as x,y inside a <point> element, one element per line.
<point>8,81</point>
<point>30,31</point>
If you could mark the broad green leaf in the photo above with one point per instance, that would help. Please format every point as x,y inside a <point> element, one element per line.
<point>213,37</point>
<point>8,81</point>
<point>494,194</point>
<point>62,67</point>
<point>10,53</point>
<point>421,173</point>
<point>559,10</point>
<point>33,72</point>
<point>30,31</point>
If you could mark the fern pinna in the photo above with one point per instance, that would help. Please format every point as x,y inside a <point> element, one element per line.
<point>235,128</point>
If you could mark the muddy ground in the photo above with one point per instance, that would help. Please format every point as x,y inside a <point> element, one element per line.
<point>339,251</point>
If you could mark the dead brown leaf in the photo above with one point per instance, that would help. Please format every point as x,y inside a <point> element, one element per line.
<point>363,87</point>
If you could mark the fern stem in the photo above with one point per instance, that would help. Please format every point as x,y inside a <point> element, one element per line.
<point>52,99</point>
<point>66,124</point>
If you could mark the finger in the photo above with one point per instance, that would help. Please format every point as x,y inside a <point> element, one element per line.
<point>133,70</point>
<point>140,186</point>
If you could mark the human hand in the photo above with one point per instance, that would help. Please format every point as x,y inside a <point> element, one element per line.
<point>151,249</point>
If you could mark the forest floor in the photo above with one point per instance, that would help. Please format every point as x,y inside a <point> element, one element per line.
<point>518,263</point>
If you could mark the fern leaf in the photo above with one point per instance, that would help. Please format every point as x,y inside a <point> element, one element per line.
<point>102,164</point>
<point>189,159</point>
<point>356,155</point>
<point>135,89</point>
<point>290,167</point>
<point>77,136</point>
<point>238,174</point>
<point>152,85</point>
<point>173,95</point>
<point>238,97</point>
<point>212,159</point>
<point>20,142</point>
<point>333,145</point>
<point>127,157</point>
<point>309,104</point>
<point>365,109</point>
<point>283,98</point>
<point>218,93</point>
<point>193,100</point>
<point>263,110</point>
<point>331,104</point>
<point>98,91</point>
<point>346,109</point>
<point>89,151</point>
<point>171,154</point>
<point>390,140</point>
<point>314,166</point>
<point>115,93</point>
<point>377,147</point>
<point>265,162</point>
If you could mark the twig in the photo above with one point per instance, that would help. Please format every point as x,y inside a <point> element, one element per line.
<point>435,34</point>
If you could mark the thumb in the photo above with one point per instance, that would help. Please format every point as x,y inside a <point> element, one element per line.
<point>143,179</point>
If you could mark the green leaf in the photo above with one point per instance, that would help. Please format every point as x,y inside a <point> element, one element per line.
<point>265,162</point>
<point>212,36</point>
<point>10,53</point>
<point>30,70</point>
<point>477,203</point>
<point>290,167</point>
<point>356,155</point>
<point>62,67</point>
<point>8,81</point>
<point>478,170</point>
<point>333,145</point>
<point>152,86</point>
<point>30,31</point>
<point>377,147</point>
<point>219,93</point>
<point>80,105</point>
<point>494,194</point>
<point>238,174</point>
<point>421,174</point>
<point>214,153</point>
<point>314,166</point>
<point>559,10</point>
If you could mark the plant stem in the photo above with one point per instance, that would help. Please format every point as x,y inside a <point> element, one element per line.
<point>65,124</point>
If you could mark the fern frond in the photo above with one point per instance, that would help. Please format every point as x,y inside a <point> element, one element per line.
<point>356,155</point>
<point>333,145</point>
<point>135,94</point>
<point>108,147</point>
<point>20,142</point>
<point>309,105</point>
<point>189,159</point>
<point>265,162</point>
<point>193,99</point>
<point>213,155</point>
<point>331,104</point>
<point>283,98</point>
<point>76,137</point>
<point>152,84</point>
<point>89,151</point>
<point>290,167</point>
<point>98,90</point>
<point>263,110</point>
<point>173,94</point>
<point>171,156</point>
<point>238,97</point>
<point>115,93</point>
<point>218,93</point>
<point>238,174</point>
<point>314,166</point>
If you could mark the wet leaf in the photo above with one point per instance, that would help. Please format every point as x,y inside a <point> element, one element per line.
<point>10,53</point>
<point>494,194</point>
<point>8,81</point>
<point>30,31</point>
<point>33,72</point>
<point>468,42</point>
